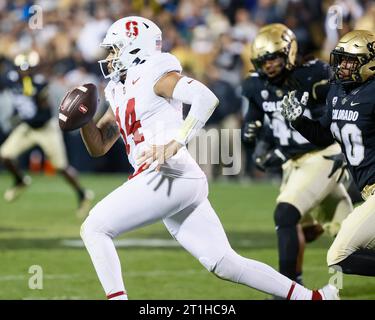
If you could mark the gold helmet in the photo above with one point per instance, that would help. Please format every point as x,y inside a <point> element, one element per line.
<point>271,41</point>
<point>357,46</point>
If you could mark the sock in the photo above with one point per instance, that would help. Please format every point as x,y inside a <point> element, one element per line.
<point>298,292</point>
<point>316,295</point>
<point>15,171</point>
<point>70,176</point>
<point>299,278</point>
<point>81,194</point>
<point>121,295</point>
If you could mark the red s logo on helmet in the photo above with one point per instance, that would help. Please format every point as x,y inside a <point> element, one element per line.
<point>131,29</point>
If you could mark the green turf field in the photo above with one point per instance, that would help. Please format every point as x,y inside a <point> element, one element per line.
<point>40,229</point>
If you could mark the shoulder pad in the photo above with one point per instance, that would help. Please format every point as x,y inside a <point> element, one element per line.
<point>162,64</point>
<point>109,92</point>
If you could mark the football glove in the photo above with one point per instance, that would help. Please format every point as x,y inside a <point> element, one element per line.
<point>250,131</point>
<point>292,108</point>
<point>339,163</point>
<point>272,160</point>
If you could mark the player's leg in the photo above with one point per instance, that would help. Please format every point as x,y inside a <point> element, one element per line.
<point>143,200</point>
<point>52,143</point>
<point>335,208</point>
<point>305,185</point>
<point>290,241</point>
<point>353,250</point>
<point>301,252</point>
<point>198,229</point>
<point>20,140</point>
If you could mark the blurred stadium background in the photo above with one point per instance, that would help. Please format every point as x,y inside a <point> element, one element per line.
<point>212,40</point>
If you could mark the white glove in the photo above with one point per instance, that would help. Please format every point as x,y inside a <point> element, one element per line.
<point>291,107</point>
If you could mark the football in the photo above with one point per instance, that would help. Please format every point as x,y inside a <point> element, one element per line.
<point>78,107</point>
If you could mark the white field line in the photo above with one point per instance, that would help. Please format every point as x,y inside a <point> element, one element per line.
<point>161,243</point>
<point>55,298</point>
<point>130,274</point>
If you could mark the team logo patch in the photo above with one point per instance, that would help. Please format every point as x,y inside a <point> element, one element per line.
<point>334,101</point>
<point>343,101</point>
<point>265,94</point>
<point>82,108</point>
<point>279,93</point>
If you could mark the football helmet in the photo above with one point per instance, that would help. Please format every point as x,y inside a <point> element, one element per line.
<point>357,46</point>
<point>274,40</point>
<point>130,40</point>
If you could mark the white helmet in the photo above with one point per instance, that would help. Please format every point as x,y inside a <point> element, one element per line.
<point>133,40</point>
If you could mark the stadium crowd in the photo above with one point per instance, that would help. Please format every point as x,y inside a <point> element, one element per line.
<point>211,39</point>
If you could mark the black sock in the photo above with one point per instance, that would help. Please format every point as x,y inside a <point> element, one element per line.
<point>286,220</point>
<point>70,176</point>
<point>14,170</point>
<point>361,262</point>
<point>81,194</point>
<point>299,278</point>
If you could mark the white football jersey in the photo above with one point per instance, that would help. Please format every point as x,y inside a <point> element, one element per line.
<point>145,118</point>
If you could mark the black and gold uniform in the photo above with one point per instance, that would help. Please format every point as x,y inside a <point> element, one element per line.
<point>37,127</point>
<point>306,181</point>
<point>350,120</point>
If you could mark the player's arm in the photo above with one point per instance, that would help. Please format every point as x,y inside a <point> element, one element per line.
<point>313,131</point>
<point>190,91</point>
<point>320,90</point>
<point>253,120</point>
<point>100,137</point>
<point>252,125</point>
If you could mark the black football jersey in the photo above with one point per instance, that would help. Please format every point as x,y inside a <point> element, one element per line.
<point>351,119</point>
<point>29,93</point>
<point>265,99</point>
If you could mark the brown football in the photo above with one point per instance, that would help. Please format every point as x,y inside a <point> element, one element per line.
<point>78,107</point>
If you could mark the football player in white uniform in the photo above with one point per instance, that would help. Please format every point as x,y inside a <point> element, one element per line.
<point>145,94</point>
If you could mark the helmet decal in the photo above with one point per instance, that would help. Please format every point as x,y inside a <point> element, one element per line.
<point>132,40</point>
<point>131,29</point>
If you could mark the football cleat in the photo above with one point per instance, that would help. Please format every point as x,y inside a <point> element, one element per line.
<point>329,292</point>
<point>85,204</point>
<point>15,191</point>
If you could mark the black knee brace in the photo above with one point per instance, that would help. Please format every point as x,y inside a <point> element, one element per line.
<point>286,215</point>
<point>286,218</point>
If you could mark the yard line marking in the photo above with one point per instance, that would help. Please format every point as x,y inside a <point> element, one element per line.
<point>55,298</point>
<point>139,242</point>
<point>128,274</point>
<point>19,277</point>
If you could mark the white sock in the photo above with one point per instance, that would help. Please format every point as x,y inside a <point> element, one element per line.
<point>118,296</point>
<point>299,292</point>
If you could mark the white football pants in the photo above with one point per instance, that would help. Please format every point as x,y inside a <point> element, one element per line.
<point>183,206</point>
